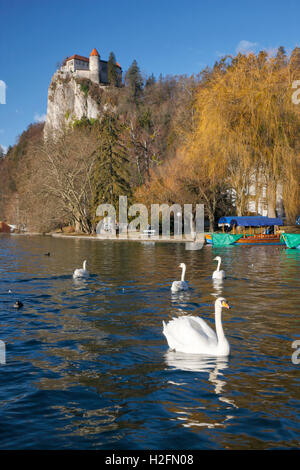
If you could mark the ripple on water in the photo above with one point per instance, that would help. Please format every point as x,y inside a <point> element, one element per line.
<point>88,366</point>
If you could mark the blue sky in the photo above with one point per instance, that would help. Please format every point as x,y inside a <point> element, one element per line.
<point>164,36</point>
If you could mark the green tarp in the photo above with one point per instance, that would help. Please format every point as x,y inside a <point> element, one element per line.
<point>292,240</point>
<point>224,239</point>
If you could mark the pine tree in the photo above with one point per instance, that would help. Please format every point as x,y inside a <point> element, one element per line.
<point>295,63</point>
<point>111,177</point>
<point>112,70</point>
<point>280,59</point>
<point>150,81</point>
<point>134,81</point>
<point>262,58</point>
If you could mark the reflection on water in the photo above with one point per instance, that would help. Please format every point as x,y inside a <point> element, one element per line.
<point>213,368</point>
<point>218,287</point>
<point>195,362</point>
<point>88,365</point>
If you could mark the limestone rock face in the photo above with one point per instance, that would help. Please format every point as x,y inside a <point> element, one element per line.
<point>70,98</point>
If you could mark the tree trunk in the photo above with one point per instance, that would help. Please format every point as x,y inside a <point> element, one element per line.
<point>211,219</point>
<point>193,226</point>
<point>271,194</point>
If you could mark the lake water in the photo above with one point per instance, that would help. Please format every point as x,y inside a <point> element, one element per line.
<point>87,365</point>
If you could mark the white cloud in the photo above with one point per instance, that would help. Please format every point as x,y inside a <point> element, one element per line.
<point>40,117</point>
<point>3,148</point>
<point>246,46</point>
<point>2,92</point>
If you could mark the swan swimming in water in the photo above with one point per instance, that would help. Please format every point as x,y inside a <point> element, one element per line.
<point>218,274</point>
<point>180,285</point>
<point>82,272</point>
<point>192,335</point>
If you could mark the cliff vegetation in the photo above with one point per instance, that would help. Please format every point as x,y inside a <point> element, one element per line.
<point>176,139</point>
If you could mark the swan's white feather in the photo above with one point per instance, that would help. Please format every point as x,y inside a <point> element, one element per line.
<point>179,285</point>
<point>192,335</point>
<point>185,334</point>
<point>205,327</point>
<point>182,284</point>
<point>81,272</point>
<point>218,274</point>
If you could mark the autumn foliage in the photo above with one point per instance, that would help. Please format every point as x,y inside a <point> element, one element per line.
<point>245,136</point>
<point>228,138</point>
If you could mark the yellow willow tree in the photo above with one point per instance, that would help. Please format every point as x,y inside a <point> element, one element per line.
<point>183,180</point>
<point>248,128</point>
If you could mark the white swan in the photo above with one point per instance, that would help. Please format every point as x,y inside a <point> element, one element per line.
<point>180,285</point>
<point>218,274</point>
<point>82,272</point>
<point>192,335</point>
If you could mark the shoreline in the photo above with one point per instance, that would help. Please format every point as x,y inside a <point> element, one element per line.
<point>141,238</point>
<point>200,238</point>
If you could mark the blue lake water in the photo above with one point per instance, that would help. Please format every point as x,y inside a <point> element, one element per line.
<point>87,365</point>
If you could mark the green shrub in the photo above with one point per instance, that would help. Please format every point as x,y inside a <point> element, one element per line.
<point>84,87</point>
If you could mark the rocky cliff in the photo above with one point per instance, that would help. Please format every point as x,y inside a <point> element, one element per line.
<point>71,98</point>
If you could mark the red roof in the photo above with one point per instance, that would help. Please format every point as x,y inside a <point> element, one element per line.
<point>94,52</point>
<point>118,65</point>
<point>79,57</point>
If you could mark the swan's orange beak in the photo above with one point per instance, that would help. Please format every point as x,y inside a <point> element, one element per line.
<point>225,304</point>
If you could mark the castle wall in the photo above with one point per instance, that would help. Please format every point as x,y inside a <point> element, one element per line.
<point>103,72</point>
<point>70,65</point>
<point>81,64</point>
<point>93,69</point>
<point>82,73</point>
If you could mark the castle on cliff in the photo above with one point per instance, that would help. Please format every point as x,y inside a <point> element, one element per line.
<point>93,67</point>
<point>67,101</point>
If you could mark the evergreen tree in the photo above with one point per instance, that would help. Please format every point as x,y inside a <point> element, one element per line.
<point>111,176</point>
<point>295,62</point>
<point>134,81</point>
<point>280,59</point>
<point>262,58</point>
<point>112,70</point>
<point>150,81</point>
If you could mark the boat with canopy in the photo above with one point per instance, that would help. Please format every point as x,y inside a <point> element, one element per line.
<point>292,240</point>
<point>247,230</point>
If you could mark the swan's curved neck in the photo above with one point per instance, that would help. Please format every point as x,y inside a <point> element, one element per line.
<point>84,265</point>
<point>219,264</point>
<point>218,322</point>
<point>183,273</point>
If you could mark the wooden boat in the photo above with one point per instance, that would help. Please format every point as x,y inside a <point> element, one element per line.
<point>292,240</point>
<point>252,230</point>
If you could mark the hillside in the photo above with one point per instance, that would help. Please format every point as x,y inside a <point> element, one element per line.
<point>228,138</point>
<point>148,119</point>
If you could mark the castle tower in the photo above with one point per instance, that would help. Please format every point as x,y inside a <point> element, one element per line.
<point>94,66</point>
